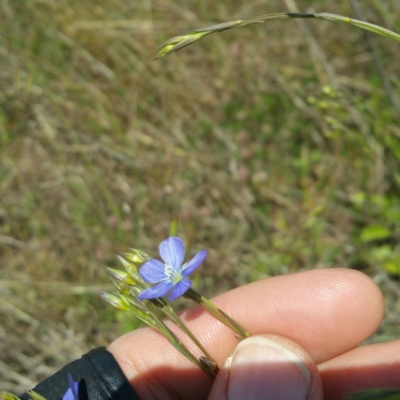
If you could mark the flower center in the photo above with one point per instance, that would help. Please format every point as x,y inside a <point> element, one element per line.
<point>173,275</point>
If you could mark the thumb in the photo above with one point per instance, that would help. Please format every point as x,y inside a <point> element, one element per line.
<point>268,367</point>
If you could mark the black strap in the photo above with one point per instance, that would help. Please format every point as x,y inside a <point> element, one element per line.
<point>99,376</point>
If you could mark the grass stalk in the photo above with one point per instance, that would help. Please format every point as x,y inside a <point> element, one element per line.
<point>178,42</point>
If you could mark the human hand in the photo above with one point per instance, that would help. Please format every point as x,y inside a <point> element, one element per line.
<point>310,322</point>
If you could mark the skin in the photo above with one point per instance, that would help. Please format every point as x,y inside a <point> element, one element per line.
<point>323,315</point>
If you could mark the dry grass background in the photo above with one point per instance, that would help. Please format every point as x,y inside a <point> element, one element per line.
<point>276,147</point>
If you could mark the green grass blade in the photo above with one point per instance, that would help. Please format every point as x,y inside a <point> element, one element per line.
<point>361,24</point>
<point>178,42</point>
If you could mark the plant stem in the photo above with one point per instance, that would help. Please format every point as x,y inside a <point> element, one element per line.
<point>217,313</point>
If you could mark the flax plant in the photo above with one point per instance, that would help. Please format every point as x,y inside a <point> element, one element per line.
<point>134,286</point>
<point>135,292</point>
<point>178,42</point>
<point>129,285</point>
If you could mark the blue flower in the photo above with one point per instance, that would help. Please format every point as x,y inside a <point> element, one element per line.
<point>172,274</point>
<point>72,392</point>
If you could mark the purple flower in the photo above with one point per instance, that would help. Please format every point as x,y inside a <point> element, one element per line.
<point>172,274</point>
<point>72,392</point>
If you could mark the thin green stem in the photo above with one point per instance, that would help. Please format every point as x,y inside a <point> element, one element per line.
<point>178,42</point>
<point>138,310</point>
<point>217,313</point>
<point>169,312</point>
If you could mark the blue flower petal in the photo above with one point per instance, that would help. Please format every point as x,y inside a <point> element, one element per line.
<point>72,392</point>
<point>172,251</point>
<point>180,288</point>
<point>194,263</point>
<point>69,395</point>
<point>152,271</point>
<point>159,290</point>
<point>171,274</point>
<point>73,385</point>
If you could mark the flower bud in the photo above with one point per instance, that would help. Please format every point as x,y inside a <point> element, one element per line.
<point>115,301</point>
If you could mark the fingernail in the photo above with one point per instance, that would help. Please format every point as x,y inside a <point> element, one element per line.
<point>261,368</point>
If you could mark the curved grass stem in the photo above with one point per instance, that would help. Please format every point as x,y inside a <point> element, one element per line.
<point>178,42</point>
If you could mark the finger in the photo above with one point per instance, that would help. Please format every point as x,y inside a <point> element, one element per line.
<point>366,367</point>
<point>268,367</point>
<point>326,311</point>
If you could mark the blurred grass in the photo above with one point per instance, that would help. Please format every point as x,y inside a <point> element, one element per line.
<point>276,146</point>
